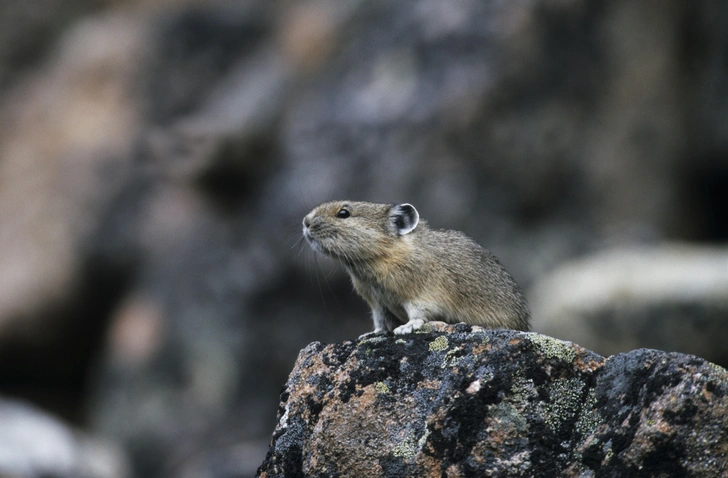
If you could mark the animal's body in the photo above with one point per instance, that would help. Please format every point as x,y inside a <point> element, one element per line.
<point>410,274</point>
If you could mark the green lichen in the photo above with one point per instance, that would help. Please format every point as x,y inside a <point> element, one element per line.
<point>718,369</point>
<point>589,418</point>
<point>407,448</point>
<point>609,455</point>
<point>372,339</point>
<point>400,341</point>
<point>450,359</point>
<point>565,400</point>
<point>439,344</point>
<point>522,389</point>
<point>552,347</point>
<point>381,387</point>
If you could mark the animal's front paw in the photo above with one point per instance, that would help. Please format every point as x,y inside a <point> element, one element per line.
<point>409,327</point>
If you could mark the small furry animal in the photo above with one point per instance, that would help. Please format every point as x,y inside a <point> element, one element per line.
<point>411,274</point>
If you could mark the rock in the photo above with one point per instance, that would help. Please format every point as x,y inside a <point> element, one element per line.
<point>673,297</point>
<point>459,400</point>
<point>34,444</point>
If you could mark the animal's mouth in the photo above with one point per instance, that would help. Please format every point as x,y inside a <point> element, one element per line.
<point>319,239</point>
<point>312,241</point>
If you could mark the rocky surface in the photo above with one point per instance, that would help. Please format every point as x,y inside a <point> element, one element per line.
<point>456,400</point>
<point>156,159</point>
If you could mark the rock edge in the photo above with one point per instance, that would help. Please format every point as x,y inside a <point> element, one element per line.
<point>459,400</point>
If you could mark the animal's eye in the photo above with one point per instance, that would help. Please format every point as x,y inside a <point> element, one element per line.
<point>343,213</point>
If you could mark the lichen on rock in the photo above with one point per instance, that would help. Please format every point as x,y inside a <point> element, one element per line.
<point>458,400</point>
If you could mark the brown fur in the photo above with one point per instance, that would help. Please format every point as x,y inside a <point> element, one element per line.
<point>412,277</point>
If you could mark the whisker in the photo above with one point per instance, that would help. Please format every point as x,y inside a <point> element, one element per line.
<point>301,248</point>
<point>298,242</point>
<point>318,280</point>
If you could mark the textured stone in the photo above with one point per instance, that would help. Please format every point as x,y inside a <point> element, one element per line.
<point>457,400</point>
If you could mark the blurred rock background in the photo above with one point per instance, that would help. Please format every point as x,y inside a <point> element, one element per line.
<point>156,159</point>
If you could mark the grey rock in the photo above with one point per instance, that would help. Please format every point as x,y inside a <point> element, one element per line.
<point>34,444</point>
<point>458,400</point>
<point>673,297</point>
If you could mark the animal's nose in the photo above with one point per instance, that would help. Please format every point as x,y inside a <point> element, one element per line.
<point>306,221</point>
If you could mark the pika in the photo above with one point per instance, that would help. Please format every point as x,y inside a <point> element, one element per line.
<point>410,274</point>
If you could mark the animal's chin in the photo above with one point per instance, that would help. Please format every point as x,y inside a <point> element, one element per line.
<point>314,243</point>
<point>319,246</point>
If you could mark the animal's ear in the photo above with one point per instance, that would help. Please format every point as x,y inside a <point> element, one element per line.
<point>404,218</point>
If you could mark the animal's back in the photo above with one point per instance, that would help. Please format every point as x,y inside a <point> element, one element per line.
<point>475,283</point>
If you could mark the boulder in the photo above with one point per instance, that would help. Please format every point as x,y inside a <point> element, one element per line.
<point>671,297</point>
<point>459,400</point>
<point>35,444</point>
